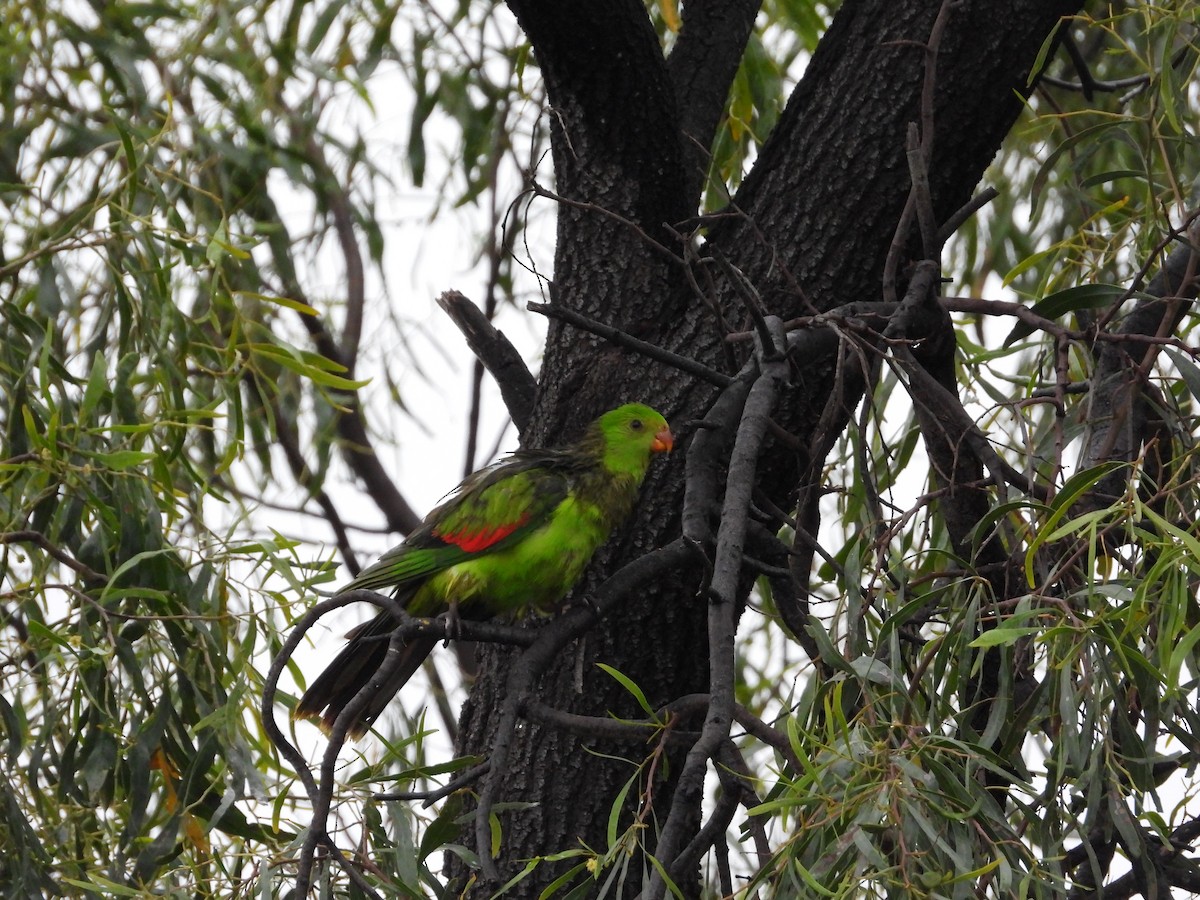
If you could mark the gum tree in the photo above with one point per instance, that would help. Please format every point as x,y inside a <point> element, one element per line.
<point>911,610</point>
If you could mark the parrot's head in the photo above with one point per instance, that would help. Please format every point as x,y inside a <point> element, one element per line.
<point>632,434</point>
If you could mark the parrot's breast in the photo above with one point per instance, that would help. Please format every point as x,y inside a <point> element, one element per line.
<point>536,572</point>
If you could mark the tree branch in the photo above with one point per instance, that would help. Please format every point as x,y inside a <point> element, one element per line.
<point>498,355</point>
<point>40,541</point>
<point>1118,410</point>
<point>723,595</point>
<point>623,339</point>
<point>702,66</point>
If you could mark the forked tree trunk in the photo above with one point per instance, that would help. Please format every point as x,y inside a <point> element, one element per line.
<point>811,229</point>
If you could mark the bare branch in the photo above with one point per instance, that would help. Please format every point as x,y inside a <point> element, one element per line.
<point>498,355</point>
<point>702,65</point>
<point>623,339</point>
<point>968,209</point>
<point>428,798</point>
<point>723,592</point>
<point>42,542</point>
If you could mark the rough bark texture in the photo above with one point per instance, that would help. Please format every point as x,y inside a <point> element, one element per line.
<point>1121,412</point>
<point>816,217</point>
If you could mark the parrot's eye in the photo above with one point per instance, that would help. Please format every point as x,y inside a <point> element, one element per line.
<point>636,425</point>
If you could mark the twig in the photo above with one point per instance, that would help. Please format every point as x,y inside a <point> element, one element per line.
<point>42,542</point>
<point>1115,84</point>
<point>968,209</point>
<point>637,731</point>
<point>859,313</point>
<point>459,781</point>
<point>1162,283</point>
<point>691,266</point>
<point>624,339</point>
<point>1088,83</point>
<point>769,735</point>
<point>316,833</point>
<point>666,252</point>
<point>320,792</point>
<point>749,295</point>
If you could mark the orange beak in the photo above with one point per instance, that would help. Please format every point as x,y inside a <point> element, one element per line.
<point>664,441</point>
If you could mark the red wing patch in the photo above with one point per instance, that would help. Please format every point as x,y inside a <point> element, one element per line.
<point>481,538</point>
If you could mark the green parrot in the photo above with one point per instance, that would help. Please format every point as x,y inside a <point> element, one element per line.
<point>515,535</point>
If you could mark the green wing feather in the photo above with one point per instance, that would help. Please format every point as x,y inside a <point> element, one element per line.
<point>493,509</point>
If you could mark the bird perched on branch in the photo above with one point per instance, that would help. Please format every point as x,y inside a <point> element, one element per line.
<point>515,535</point>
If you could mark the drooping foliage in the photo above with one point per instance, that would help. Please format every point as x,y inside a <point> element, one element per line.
<point>206,362</point>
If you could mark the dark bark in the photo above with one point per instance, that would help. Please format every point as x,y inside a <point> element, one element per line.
<point>711,41</point>
<point>813,224</point>
<point>1121,402</point>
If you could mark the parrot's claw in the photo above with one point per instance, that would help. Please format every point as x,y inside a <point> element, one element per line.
<point>453,624</point>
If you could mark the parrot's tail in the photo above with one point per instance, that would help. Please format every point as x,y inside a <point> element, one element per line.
<point>357,667</point>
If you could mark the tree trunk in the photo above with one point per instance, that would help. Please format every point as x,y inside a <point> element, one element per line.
<point>811,228</point>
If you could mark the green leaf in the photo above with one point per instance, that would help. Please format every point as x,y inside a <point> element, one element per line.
<point>316,368</point>
<point>1084,136</point>
<point>219,246</point>
<point>1073,299</point>
<point>630,686</point>
<point>98,884</point>
<point>97,385</point>
<point>120,460</point>
<point>1004,635</point>
<point>277,300</point>
<point>1074,488</point>
<point>1188,370</point>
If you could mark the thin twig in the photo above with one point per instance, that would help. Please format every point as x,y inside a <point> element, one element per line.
<point>320,791</point>
<point>666,252</point>
<point>624,339</point>
<point>749,295</point>
<point>317,832</point>
<point>964,212</point>
<point>428,798</point>
<point>41,541</point>
<point>631,731</point>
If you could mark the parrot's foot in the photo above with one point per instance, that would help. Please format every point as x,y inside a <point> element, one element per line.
<point>453,624</point>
